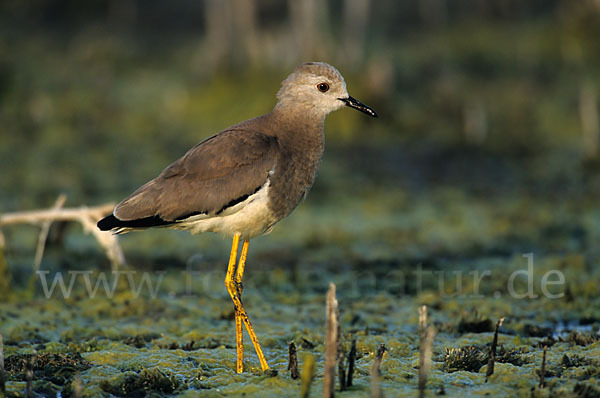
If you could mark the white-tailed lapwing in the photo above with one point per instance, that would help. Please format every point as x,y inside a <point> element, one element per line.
<point>243,180</point>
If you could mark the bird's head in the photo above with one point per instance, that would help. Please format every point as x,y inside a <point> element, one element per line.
<point>320,88</point>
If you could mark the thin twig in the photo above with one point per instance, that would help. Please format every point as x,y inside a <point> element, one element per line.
<point>422,335</point>
<point>351,359</point>
<point>425,359</point>
<point>543,373</point>
<point>41,245</point>
<point>492,360</point>
<point>293,361</point>
<point>331,339</point>
<point>307,376</point>
<point>341,368</point>
<point>376,372</point>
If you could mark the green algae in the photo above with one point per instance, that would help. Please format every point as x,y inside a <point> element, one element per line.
<point>185,345</point>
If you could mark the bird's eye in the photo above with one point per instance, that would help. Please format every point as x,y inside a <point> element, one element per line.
<point>323,87</point>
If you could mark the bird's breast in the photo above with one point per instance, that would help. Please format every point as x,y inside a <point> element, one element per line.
<point>292,178</point>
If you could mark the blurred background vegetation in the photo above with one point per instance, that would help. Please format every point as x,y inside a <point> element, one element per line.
<point>496,98</point>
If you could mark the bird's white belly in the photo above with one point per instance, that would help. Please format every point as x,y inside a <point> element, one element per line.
<point>249,218</point>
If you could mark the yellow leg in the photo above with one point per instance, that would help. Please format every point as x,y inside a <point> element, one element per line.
<point>239,272</point>
<point>238,279</point>
<point>229,281</point>
<point>234,287</point>
<point>239,340</point>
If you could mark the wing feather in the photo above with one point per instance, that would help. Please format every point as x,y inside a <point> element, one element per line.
<point>210,176</point>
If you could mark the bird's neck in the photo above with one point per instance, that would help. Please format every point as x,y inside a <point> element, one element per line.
<point>298,118</point>
<point>299,127</point>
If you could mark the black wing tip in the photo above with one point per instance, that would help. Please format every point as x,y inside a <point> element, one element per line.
<point>111,222</point>
<point>108,223</point>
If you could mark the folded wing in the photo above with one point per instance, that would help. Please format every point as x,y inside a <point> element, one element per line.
<point>215,174</point>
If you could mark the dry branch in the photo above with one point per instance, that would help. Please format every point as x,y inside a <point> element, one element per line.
<point>86,216</point>
<point>425,359</point>
<point>376,372</point>
<point>341,369</point>
<point>422,332</point>
<point>331,339</point>
<point>492,360</point>
<point>351,359</point>
<point>293,361</point>
<point>426,335</point>
<point>543,372</point>
<point>41,246</point>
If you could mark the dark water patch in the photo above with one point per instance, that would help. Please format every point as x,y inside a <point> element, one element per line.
<point>566,329</point>
<point>588,320</point>
<point>536,331</point>
<point>475,326</point>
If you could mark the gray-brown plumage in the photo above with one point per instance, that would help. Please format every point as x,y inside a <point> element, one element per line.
<point>243,180</point>
<point>249,176</point>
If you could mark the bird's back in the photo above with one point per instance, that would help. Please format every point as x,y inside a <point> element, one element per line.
<point>244,179</point>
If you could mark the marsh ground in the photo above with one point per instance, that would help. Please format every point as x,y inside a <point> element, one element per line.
<point>387,249</point>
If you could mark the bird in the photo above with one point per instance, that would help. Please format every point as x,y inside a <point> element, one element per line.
<point>241,181</point>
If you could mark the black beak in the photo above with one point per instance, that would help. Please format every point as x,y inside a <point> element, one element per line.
<point>356,104</point>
